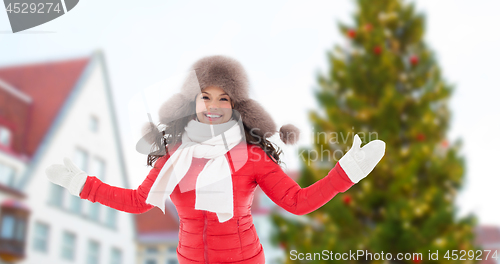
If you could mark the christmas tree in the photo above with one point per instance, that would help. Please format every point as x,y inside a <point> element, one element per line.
<point>385,83</point>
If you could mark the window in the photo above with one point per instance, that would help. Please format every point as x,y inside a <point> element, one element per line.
<point>171,255</point>
<point>81,159</point>
<point>98,168</point>
<point>93,123</point>
<point>172,250</point>
<point>41,237</point>
<point>172,261</point>
<point>93,252</point>
<point>12,221</point>
<point>151,255</point>
<point>56,195</point>
<point>151,250</point>
<point>20,227</point>
<point>12,227</point>
<point>76,204</point>
<point>6,174</point>
<point>8,223</point>
<point>5,136</point>
<point>111,217</point>
<point>94,209</point>
<point>116,256</point>
<point>68,246</point>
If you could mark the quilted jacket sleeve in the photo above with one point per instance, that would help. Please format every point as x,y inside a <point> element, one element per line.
<point>127,200</point>
<point>286,193</point>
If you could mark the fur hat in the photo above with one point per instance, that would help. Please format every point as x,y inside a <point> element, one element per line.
<point>229,75</point>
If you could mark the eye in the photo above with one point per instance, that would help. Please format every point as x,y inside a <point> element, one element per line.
<point>225,99</point>
<point>204,97</point>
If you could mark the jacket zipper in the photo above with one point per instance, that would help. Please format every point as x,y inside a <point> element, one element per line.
<point>205,237</point>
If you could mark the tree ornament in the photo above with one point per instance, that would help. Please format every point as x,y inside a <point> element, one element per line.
<point>436,121</point>
<point>377,50</point>
<point>387,32</point>
<point>400,31</point>
<point>351,33</point>
<point>382,16</point>
<point>414,60</point>
<point>391,16</point>
<point>420,137</point>
<point>395,45</point>
<point>355,52</point>
<point>442,148</point>
<point>400,87</point>
<point>368,27</point>
<point>403,77</point>
<point>388,43</point>
<point>346,199</point>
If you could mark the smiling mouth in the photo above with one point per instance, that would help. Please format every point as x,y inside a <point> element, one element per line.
<point>212,116</point>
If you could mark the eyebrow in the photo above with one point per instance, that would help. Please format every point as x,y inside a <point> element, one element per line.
<point>221,94</point>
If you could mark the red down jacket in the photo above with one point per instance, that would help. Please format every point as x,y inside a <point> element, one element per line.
<point>202,239</point>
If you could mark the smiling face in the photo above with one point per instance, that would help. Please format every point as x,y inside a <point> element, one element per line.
<point>213,106</point>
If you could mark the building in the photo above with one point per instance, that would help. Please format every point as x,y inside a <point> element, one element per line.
<point>157,236</point>
<point>488,238</point>
<point>49,110</point>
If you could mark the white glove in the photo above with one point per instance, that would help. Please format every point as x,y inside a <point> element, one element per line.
<point>68,176</point>
<point>359,162</point>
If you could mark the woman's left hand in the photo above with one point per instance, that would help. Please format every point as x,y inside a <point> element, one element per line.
<point>359,162</point>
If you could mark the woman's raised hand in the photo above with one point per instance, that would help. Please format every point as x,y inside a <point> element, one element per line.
<point>68,176</point>
<point>359,162</point>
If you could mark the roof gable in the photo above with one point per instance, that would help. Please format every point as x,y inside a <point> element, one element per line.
<point>45,87</point>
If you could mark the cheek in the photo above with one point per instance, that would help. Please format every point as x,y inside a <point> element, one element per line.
<point>226,105</point>
<point>200,106</point>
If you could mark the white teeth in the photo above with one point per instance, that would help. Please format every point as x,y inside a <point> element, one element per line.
<point>213,115</point>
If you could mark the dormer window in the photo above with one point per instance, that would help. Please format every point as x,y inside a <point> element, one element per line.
<point>94,123</point>
<point>7,174</point>
<point>5,136</point>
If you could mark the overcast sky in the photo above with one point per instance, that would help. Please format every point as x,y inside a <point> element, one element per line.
<point>282,45</point>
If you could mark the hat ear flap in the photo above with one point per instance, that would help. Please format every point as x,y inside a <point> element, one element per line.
<point>256,118</point>
<point>150,133</point>
<point>289,134</point>
<point>174,108</point>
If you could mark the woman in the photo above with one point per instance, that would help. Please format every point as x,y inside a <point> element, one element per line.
<point>210,158</point>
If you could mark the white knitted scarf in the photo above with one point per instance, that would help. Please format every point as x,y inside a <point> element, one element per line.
<point>214,186</point>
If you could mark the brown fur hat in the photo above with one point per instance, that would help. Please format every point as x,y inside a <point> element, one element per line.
<point>229,75</point>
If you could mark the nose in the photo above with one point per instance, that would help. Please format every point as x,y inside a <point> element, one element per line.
<point>212,105</point>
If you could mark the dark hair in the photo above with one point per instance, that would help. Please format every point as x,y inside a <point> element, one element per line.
<point>172,135</point>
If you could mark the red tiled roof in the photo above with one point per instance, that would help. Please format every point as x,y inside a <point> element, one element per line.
<point>154,221</point>
<point>48,84</point>
<point>487,235</point>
